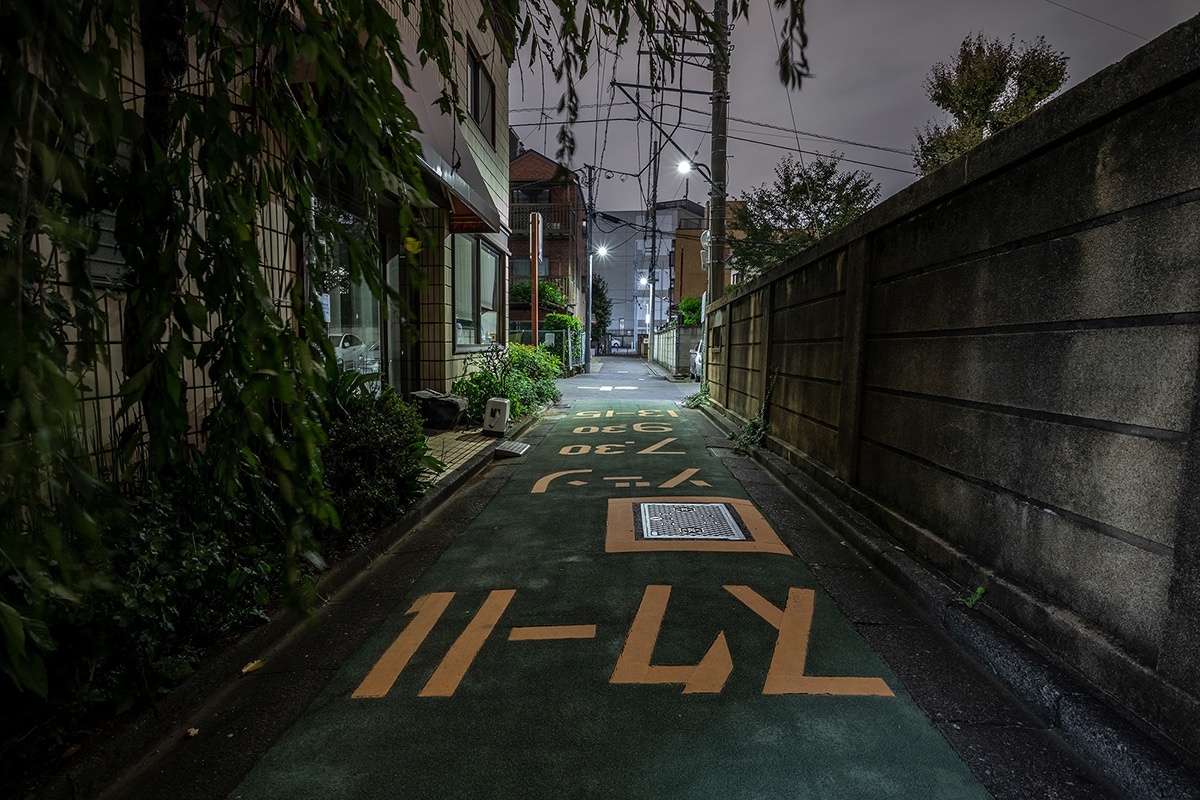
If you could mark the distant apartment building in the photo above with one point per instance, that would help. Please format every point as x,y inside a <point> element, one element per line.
<point>640,264</point>
<point>538,184</point>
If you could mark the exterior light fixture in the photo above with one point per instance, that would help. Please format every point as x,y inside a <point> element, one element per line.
<point>684,167</point>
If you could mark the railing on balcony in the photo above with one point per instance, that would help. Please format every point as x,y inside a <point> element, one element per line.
<point>558,219</point>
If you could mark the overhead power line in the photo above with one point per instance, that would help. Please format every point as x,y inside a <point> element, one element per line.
<point>1097,19</point>
<point>705,112</point>
<point>694,129</point>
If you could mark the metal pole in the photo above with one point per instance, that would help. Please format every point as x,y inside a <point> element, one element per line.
<point>656,152</point>
<point>720,124</point>
<point>587,320</point>
<point>535,257</point>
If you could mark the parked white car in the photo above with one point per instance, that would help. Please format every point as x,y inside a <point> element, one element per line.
<point>697,362</point>
<point>347,348</point>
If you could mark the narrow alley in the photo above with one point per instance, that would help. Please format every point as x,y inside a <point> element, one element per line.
<point>633,609</point>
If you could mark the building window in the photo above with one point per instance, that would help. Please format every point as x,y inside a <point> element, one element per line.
<point>481,96</point>
<point>476,292</point>
<point>350,310</point>
<point>531,194</point>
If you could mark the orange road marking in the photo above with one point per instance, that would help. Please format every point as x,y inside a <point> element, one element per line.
<point>621,530</point>
<point>794,623</point>
<point>544,482</point>
<point>542,632</point>
<point>654,448</point>
<point>700,483</point>
<point>454,666</point>
<point>389,666</point>
<point>633,665</point>
<point>680,478</point>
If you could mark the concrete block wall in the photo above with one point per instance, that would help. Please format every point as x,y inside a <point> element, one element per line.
<point>1000,366</point>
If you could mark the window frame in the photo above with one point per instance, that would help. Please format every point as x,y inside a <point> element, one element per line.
<point>477,78</point>
<point>477,245</point>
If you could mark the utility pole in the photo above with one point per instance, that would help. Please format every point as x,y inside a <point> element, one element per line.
<point>589,218</point>
<point>535,258</point>
<point>720,124</point>
<point>656,152</point>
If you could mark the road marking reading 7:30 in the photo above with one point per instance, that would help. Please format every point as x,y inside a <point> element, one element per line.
<point>619,449</point>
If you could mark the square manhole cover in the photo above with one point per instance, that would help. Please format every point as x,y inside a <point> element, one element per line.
<point>689,521</point>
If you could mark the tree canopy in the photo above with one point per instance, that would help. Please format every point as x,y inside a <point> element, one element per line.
<point>987,86</point>
<point>807,200</point>
<point>601,307</point>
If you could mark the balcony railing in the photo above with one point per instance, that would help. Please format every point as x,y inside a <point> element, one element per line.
<point>558,219</point>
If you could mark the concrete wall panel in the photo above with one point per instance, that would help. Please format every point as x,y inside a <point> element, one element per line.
<point>821,360</point>
<point>1129,376</point>
<point>1126,482</point>
<point>1069,564</point>
<point>821,320</point>
<point>1097,172</point>
<point>1144,265</point>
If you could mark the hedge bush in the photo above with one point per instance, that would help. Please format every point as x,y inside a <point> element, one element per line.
<point>522,374</point>
<point>377,463</point>
<point>565,322</point>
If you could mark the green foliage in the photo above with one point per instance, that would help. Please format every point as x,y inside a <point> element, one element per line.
<point>522,374</point>
<point>806,201</point>
<point>988,86</point>
<point>751,434</point>
<point>549,295</point>
<point>569,350</point>
<point>601,307</point>
<point>377,463</point>
<point>689,311</point>
<point>697,399</point>
<point>195,564</point>
<point>975,597</point>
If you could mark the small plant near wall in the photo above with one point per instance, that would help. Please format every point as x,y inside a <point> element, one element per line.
<point>697,399</point>
<point>751,434</point>
<point>972,600</point>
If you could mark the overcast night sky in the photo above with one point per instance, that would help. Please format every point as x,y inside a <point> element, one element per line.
<point>869,59</point>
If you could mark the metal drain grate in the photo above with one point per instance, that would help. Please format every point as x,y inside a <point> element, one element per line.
<point>689,521</point>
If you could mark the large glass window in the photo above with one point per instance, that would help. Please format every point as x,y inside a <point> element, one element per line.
<point>351,312</point>
<point>476,291</point>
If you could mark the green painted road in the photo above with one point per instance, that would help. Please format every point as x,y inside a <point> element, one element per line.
<point>567,646</point>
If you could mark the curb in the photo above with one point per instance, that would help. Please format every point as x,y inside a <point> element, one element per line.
<point>1115,747</point>
<point>102,762</point>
